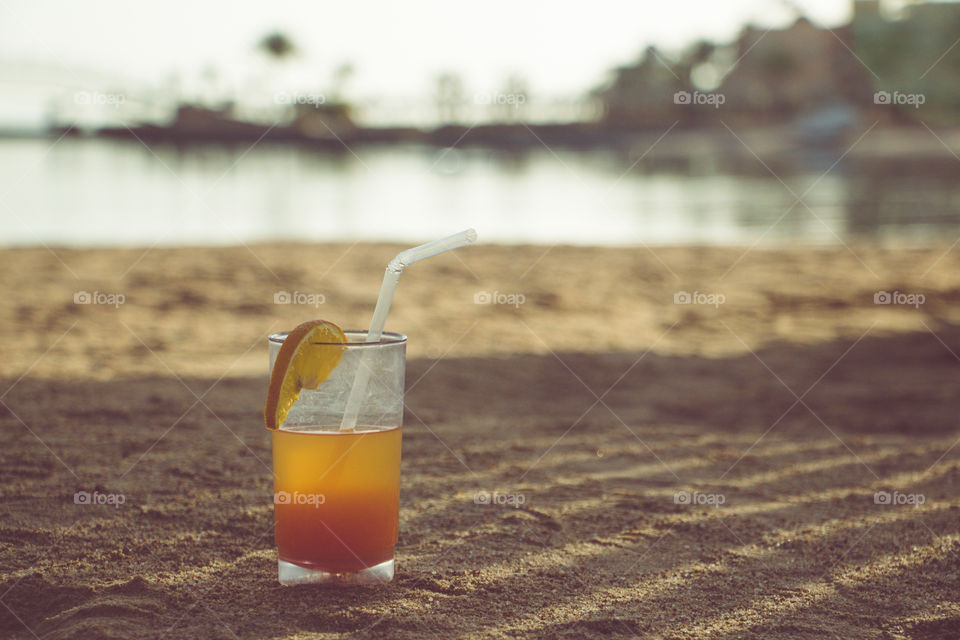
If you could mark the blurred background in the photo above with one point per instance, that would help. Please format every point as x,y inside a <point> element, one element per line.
<point>690,122</point>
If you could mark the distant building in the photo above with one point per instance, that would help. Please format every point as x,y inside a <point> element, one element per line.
<point>784,73</point>
<point>642,93</point>
<point>891,66</point>
<point>777,75</point>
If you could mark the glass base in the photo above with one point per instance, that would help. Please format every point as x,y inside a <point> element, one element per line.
<point>290,574</point>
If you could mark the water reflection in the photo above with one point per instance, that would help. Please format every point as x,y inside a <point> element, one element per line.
<point>96,193</point>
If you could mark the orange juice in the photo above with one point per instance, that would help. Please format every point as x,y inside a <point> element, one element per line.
<point>336,497</point>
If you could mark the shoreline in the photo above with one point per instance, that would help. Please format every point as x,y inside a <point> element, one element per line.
<point>868,140</point>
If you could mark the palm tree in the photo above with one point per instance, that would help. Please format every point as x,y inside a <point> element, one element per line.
<point>278,48</point>
<point>277,45</point>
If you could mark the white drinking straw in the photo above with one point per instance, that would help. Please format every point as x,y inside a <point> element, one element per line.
<point>390,279</point>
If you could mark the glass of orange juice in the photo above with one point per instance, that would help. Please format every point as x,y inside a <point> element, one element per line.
<point>336,492</point>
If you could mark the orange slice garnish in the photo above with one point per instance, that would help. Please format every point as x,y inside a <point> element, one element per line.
<point>307,357</point>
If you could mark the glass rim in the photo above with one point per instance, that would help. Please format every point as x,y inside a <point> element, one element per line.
<point>386,338</point>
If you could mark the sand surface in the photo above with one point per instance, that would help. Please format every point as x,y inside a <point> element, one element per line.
<point>619,418</point>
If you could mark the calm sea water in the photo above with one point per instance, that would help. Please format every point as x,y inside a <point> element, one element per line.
<point>104,193</point>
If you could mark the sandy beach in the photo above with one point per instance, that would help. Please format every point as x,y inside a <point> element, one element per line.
<point>778,458</point>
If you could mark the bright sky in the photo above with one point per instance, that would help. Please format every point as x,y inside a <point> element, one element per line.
<point>562,48</point>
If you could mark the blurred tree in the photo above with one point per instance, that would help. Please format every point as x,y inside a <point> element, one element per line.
<point>702,52</point>
<point>448,94</point>
<point>709,63</point>
<point>278,49</point>
<point>916,53</point>
<point>696,59</point>
<point>211,93</point>
<point>277,45</point>
<point>512,102</point>
<point>341,78</point>
<point>170,91</point>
